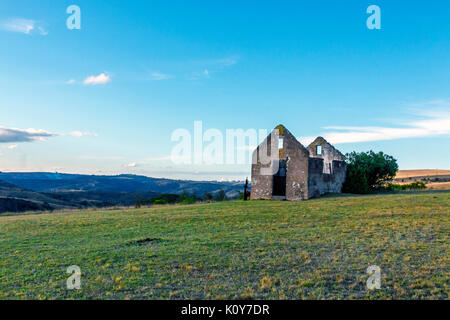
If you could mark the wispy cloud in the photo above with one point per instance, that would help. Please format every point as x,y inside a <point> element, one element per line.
<point>102,78</point>
<point>174,158</point>
<point>80,134</point>
<point>11,135</point>
<point>86,157</point>
<point>10,147</point>
<point>131,165</point>
<point>42,31</point>
<point>14,135</point>
<point>21,25</point>
<point>200,75</point>
<point>219,63</point>
<point>160,76</point>
<point>213,66</point>
<point>163,158</point>
<point>226,62</point>
<point>431,122</point>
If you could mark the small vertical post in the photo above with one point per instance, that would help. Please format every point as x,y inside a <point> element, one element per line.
<point>245,189</point>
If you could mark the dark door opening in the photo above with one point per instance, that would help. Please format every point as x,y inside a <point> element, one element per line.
<point>279,180</point>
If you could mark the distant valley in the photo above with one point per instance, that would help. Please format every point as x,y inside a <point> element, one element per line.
<point>38,191</point>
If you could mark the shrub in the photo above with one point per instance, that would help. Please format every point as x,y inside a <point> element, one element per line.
<point>418,185</point>
<point>208,196</point>
<point>368,171</point>
<point>220,196</point>
<point>189,200</point>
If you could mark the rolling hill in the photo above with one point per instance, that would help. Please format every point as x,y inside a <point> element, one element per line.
<point>17,199</point>
<point>54,191</point>
<point>402,174</point>
<point>61,182</point>
<point>317,249</point>
<point>434,179</point>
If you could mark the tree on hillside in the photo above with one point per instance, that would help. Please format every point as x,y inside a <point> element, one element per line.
<point>367,171</point>
<point>220,196</point>
<point>208,196</point>
<point>185,198</point>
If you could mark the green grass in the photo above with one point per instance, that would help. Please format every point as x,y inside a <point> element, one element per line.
<point>317,249</point>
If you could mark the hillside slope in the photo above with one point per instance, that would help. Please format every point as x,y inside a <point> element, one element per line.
<point>316,249</point>
<point>401,174</point>
<point>60,182</point>
<point>17,199</point>
<point>38,191</point>
<point>434,179</point>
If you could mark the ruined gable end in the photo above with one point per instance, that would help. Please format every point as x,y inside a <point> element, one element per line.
<point>283,169</point>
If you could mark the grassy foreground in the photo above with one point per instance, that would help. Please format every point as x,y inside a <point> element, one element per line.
<point>317,249</point>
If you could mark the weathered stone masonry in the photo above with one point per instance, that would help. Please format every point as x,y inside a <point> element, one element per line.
<point>294,172</point>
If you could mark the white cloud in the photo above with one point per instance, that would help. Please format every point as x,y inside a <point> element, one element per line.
<point>80,134</point>
<point>42,31</point>
<point>25,26</point>
<point>131,165</point>
<point>174,158</point>
<point>71,81</point>
<point>220,63</point>
<point>163,158</point>
<point>8,135</point>
<point>100,157</point>
<point>160,76</point>
<point>100,79</point>
<point>14,135</point>
<point>213,66</point>
<point>226,62</point>
<point>205,74</point>
<point>432,122</point>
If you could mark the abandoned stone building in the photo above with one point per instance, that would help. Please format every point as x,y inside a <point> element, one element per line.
<point>283,169</point>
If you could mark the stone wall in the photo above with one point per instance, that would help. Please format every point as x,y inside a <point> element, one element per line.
<point>329,153</point>
<point>309,174</point>
<point>321,183</point>
<point>315,178</point>
<point>261,183</point>
<point>297,159</point>
<point>339,174</point>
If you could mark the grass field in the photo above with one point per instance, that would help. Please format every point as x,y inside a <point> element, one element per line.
<point>316,249</point>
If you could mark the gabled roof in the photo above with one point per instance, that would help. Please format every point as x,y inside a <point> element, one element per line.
<point>322,142</point>
<point>288,138</point>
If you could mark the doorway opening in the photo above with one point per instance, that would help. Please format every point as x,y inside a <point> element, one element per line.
<point>279,180</point>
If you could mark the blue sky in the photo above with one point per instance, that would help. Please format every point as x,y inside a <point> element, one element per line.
<point>106,99</point>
